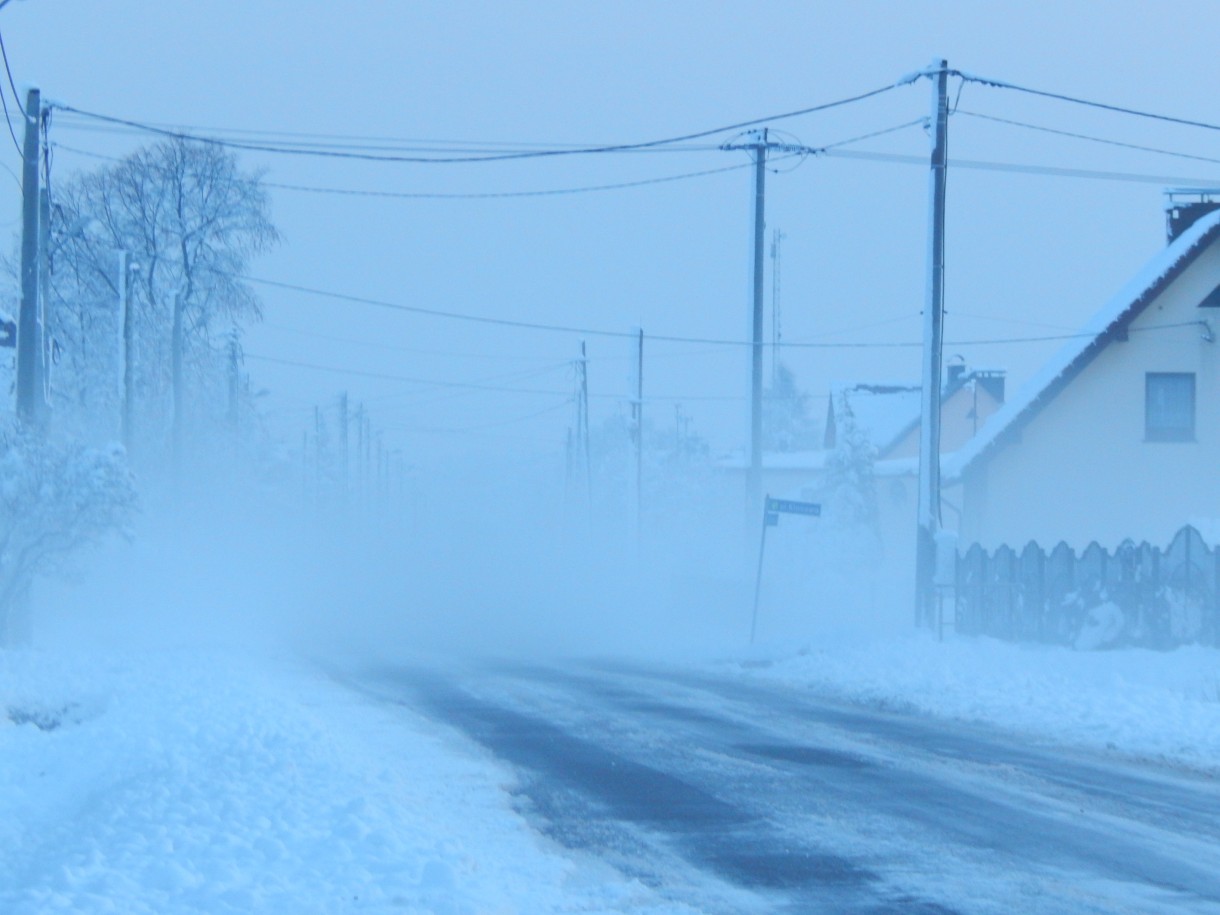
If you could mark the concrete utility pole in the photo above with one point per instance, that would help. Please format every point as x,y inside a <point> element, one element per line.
<point>637,432</point>
<point>29,340</point>
<point>758,147</point>
<point>754,481</point>
<point>928,516</point>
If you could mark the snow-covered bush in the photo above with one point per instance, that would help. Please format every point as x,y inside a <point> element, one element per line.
<point>55,498</point>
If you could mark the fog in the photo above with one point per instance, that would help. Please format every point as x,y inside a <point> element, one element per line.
<point>480,561</point>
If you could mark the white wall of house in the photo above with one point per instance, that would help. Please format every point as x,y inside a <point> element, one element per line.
<point>1082,469</point>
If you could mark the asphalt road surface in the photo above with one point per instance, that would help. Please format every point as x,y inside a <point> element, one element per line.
<point>731,795</point>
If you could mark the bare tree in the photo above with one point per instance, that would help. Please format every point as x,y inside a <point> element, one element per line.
<point>191,220</point>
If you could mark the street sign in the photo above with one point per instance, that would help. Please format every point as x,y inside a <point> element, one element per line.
<point>771,513</point>
<point>792,507</point>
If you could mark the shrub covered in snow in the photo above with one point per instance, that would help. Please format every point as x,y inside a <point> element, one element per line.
<point>55,498</point>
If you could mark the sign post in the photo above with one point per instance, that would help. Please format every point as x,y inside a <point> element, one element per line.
<point>772,508</point>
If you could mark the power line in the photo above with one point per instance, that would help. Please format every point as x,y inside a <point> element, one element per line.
<point>1022,168</point>
<point>384,376</point>
<point>490,195</point>
<point>1082,136</point>
<point>8,118</point>
<point>1120,109</point>
<point>494,157</point>
<point>378,145</point>
<point>501,422</point>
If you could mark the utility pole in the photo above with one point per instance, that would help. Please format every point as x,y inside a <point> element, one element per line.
<point>29,343</point>
<point>754,482</point>
<point>928,517</point>
<point>360,468</point>
<point>343,420</point>
<point>758,147</point>
<point>582,424</point>
<point>234,380</point>
<point>176,377</point>
<point>128,348</point>
<point>637,432</point>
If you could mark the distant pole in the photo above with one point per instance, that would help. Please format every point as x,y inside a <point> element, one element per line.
<point>29,344</point>
<point>637,432</point>
<point>582,423</point>
<point>234,380</point>
<point>129,379</point>
<point>317,453</point>
<point>121,283</point>
<point>343,421</point>
<point>176,372</point>
<point>360,469</point>
<point>928,517</point>
<point>754,482</point>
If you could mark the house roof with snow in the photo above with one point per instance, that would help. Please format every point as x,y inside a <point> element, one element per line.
<point>881,411</point>
<point>888,413</point>
<point>1110,323</point>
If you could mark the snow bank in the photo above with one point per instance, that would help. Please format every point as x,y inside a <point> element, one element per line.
<point>1163,705</point>
<point>189,782</point>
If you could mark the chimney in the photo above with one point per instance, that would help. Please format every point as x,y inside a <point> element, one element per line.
<point>955,372</point>
<point>1184,206</point>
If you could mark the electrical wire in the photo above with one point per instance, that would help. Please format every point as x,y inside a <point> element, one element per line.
<point>494,157</point>
<point>1026,169</point>
<point>1093,139</point>
<point>432,382</point>
<point>501,422</point>
<point>1104,106</point>
<point>16,96</point>
<point>492,195</point>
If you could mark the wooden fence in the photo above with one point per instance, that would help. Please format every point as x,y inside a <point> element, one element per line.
<point>1135,595</point>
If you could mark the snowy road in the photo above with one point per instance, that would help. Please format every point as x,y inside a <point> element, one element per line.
<point>738,797</point>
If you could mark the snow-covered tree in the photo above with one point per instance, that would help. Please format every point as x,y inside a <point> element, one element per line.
<point>849,484</point>
<point>787,422</point>
<point>55,498</point>
<point>190,220</point>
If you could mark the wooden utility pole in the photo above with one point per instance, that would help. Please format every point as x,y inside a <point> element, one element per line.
<point>754,481</point>
<point>29,340</point>
<point>928,517</point>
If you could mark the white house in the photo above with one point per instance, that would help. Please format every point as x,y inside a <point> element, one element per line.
<point>1118,437</point>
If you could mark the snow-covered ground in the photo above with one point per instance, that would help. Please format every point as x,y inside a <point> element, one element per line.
<point>173,780</point>
<point>1159,705</point>
<point>178,781</point>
